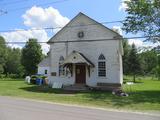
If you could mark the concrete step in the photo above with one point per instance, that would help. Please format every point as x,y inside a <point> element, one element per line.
<point>76,87</point>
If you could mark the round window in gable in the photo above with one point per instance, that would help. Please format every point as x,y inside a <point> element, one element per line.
<point>80,34</point>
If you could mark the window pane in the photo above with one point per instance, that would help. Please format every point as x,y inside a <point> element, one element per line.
<point>101,57</point>
<point>101,69</point>
<point>61,68</point>
<point>45,72</point>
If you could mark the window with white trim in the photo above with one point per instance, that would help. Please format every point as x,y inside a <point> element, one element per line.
<point>101,66</point>
<point>45,72</point>
<point>61,68</point>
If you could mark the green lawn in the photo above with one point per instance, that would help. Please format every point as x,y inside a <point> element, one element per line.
<point>144,95</point>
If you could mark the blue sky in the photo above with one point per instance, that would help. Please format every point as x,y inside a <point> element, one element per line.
<point>100,10</point>
<point>17,16</point>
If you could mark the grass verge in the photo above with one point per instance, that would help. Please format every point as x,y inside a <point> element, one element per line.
<point>144,95</point>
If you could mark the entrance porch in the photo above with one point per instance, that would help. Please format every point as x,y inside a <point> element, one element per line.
<point>79,66</point>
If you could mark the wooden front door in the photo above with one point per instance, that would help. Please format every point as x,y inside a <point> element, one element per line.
<point>80,74</point>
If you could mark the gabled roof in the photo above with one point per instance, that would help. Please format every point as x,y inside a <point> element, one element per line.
<point>45,62</point>
<point>77,57</point>
<point>67,25</point>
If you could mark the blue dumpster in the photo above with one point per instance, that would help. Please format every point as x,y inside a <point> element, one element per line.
<point>39,81</point>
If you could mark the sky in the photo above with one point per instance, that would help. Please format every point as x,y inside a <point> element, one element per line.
<point>30,14</point>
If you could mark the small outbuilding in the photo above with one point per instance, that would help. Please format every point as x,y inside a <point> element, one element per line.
<point>44,67</point>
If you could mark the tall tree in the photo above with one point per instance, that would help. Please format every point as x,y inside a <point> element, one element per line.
<point>148,61</point>
<point>13,62</point>
<point>134,62</point>
<point>143,16</point>
<point>2,54</point>
<point>126,49</point>
<point>31,56</point>
<point>158,66</point>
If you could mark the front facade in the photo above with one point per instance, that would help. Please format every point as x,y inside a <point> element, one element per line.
<point>85,52</point>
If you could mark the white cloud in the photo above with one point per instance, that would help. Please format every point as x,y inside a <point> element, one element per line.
<point>44,17</point>
<point>23,36</point>
<point>37,17</point>
<point>117,29</point>
<point>137,42</point>
<point>123,5</point>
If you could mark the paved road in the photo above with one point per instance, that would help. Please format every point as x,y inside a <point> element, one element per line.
<point>19,109</point>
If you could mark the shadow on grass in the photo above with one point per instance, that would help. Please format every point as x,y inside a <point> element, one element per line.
<point>148,97</point>
<point>149,100</point>
<point>47,89</point>
<point>139,97</point>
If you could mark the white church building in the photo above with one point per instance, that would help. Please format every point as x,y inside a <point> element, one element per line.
<point>84,52</point>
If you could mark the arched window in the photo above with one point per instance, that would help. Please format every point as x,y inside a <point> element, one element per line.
<point>61,68</point>
<point>101,66</point>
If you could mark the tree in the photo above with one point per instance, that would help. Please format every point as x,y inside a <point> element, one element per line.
<point>158,66</point>
<point>148,61</point>
<point>2,54</point>
<point>143,16</point>
<point>133,62</point>
<point>126,49</point>
<point>13,62</point>
<point>31,56</point>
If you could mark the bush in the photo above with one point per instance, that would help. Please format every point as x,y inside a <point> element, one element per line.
<point>44,77</point>
<point>2,76</point>
<point>34,77</point>
<point>13,76</point>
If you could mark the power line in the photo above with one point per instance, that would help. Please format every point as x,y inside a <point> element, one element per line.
<point>42,4</point>
<point>2,12</point>
<point>51,28</point>
<point>13,2</point>
<point>85,40</point>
